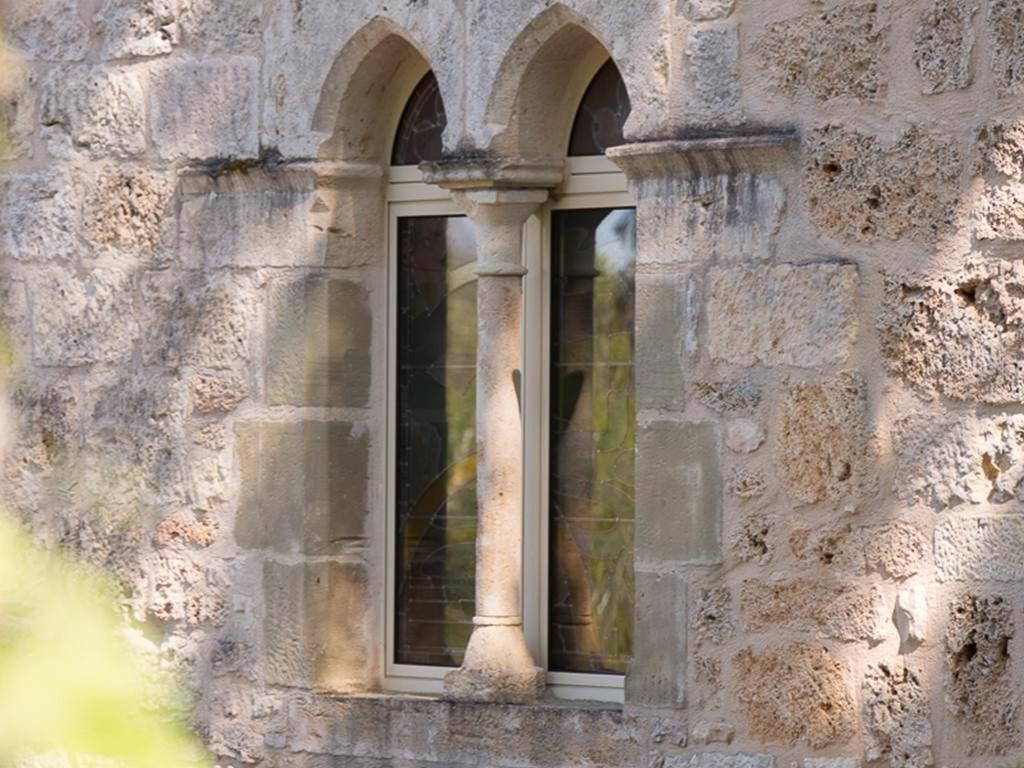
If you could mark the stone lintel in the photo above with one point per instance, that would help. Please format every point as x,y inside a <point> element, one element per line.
<point>705,155</point>
<point>488,172</point>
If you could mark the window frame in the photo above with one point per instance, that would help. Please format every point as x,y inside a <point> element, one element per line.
<point>591,182</point>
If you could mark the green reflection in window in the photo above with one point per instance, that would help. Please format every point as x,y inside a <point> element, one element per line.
<point>435,497</point>
<point>593,434</point>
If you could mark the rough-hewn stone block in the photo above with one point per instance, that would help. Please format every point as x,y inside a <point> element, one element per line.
<point>783,315</point>
<point>51,30</point>
<point>943,45</point>
<point>39,216</point>
<point>17,110</point>
<point>679,493</point>
<point>221,26</point>
<point>128,211</point>
<point>713,54</point>
<point>131,28</point>
<point>897,716</point>
<point>304,486</point>
<point>318,343</point>
<point>661,330</point>
<point>1007,44</point>
<point>719,760</point>
<point>314,626</point>
<point>657,675</point>
<point>706,10</point>
<point>980,549</point>
<point>999,212</point>
<point>839,611</point>
<point>894,550</point>
<point>999,148</point>
<point>217,393</point>
<point>206,109</point>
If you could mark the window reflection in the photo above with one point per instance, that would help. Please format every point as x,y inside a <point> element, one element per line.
<point>602,114</point>
<point>421,127</point>
<point>593,434</point>
<point>436,440</point>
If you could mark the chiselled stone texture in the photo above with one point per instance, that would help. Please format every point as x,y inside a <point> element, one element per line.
<point>958,335</point>
<point>999,149</point>
<point>1008,44</point>
<point>217,393</point>
<point>753,541</point>
<point>841,612</point>
<point>979,688</point>
<point>182,590</point>
<point>897,717</point>
<point>136,28</point>
<point>51,30</point>
<point>705,10</point>
<point>679,493</point>
<point>318,343</point>
<point>657,674</point>
<point>943,45</point>
<point>980,549</point>
<point>796,694</point>
<point>893,550</point>
<point>96,110</point>
<point>999,213</point>
<point>729,396</point>
<point>711,618</point>
<point>824,441</point>
<point>661,329</point>
<point>221,26</point>
<point>861,189</point>
<point>713,56</point>
<point>204,109</point>
<point>313,625</point>
<point>39,216</point>
<point>304,486</point>
<point>829,54</point>
<point>799,315</point>
<point>128,211</point>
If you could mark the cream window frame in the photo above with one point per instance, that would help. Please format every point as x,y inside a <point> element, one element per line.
<point>591,182</point>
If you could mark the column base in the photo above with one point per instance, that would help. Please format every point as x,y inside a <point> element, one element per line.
<point>495,686</point>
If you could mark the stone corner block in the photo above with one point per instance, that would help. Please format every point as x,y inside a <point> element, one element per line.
<point>657,675</point>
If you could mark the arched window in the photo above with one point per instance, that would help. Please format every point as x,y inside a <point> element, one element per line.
<point>602,114</point>
<point>421,128</point>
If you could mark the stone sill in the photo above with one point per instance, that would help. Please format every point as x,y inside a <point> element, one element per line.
<point>395,697</point>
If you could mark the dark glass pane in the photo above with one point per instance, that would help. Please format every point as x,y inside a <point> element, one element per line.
<point>602,114</point>
<point>435,497</point>
<point>418,138</point>
<point>593,418</point>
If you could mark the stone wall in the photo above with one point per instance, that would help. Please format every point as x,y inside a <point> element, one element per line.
<point>830,548</point>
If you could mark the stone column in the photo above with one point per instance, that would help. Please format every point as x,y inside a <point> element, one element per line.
<point>498,666</point>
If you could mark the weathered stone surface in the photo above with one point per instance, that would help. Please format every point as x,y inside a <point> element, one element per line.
<point>979,688</point>
<point>862,190</point>
<point>825,445</point>
<point>712,732</point>
<point>252,220</point>
<point>743,436</point>
<point>832,762</point>
<point>839,611</point>
<point>204,109</point>
<point>752,542</point>
<point>97,110</point>
<point>39,216</point>
<point>783,315</point>
<point>318,343</point>
<point>796,694</point>
<point>131,28</point>
<point>910,615</point>
<point>661,329</point>
<point>128,211</point>
<point>180,589</point>
<point>711,618</point>
<point>830,54</point>
<point>729,396</point>
<point>1007,45</point>
<point>106,535</point>
<point>894,550</point>
<point>896,715</point>
<point>943,45</point>
<point>657,674</point>
<point>314,624</point>
<point>747,483</point>
<point>51,30</point>
<point>80,319</point>
<point>706,10</point>
<point>719,760</point>
<point>304,486</point>
<point>221,26</point>
<point>17,110</point>
<point>49,423</point>
<point>999,213</point>
<point>713,56</point>
<point>999,148</point>
<point>980,549</point>
<point>217,393</point>
<point>186,528</point>
<point>197,319</point>
<point>679,493</point>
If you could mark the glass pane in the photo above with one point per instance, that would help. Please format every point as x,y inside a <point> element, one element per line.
<point>593,433</point>
<point>435,498</point>
<point>418,138</point>
<point>602,114</point>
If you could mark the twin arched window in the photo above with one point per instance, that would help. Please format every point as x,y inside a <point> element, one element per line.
<point>579,409</point>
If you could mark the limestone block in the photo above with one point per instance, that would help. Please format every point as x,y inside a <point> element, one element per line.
<point>252,220</point>
<point>711,618</point>
<point>209,491</point>
<point>747,483</point>
<point>129,211</point>
<point>828,53</point>
<point>729,396</point>
<point>825,445</point>
<point>896,715</point>
<point>79,319</point>
<point>197,318</point>
<point>832,762</point>
<point>205,109</point>
<point>706,10</point>
<point>910,616</point>
<point>304,486</point>
<point>894,550</point>
<point>979,688</point>
<point>999,148</point>
<point>136,28</point>
<point>863,190</point>
<point>181,590</point>
<point>657,674</point>
<point>314,624</point>
<point>943,44</point>
<point>679,493</point>
<point>1007,45</point>
<point>839,611</point>
<point>221,26</point>
<point>719,760</point>
<point>318,343</point>
<point>48,423</point>
<point>97,110</point>
<point>39,216</point>
<point>217,393</point>
<point>999,212</point>
<point>661,327</point>
<point>980,549</point>
<point>752,541</point>
<point>713,56</point>
<point>714,732</point>
<point>783,315</point>
<point>743,436</point>
<point>51,30</point>
<point>796,694</point>
<point>17,109</point>
<point>186,528</point>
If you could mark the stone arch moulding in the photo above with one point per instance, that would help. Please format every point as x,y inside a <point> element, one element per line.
<point>540,83</point>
